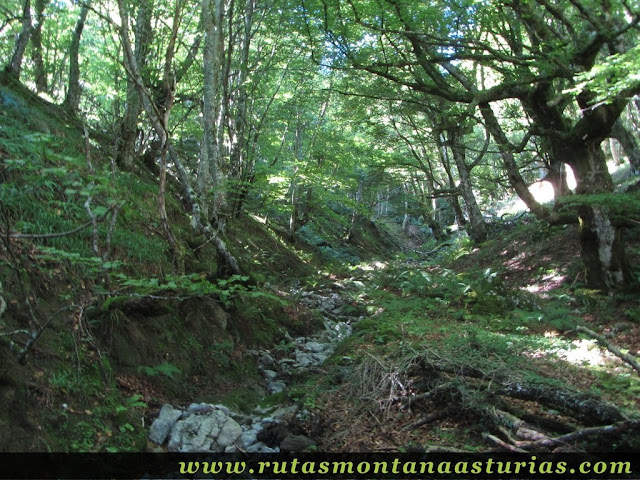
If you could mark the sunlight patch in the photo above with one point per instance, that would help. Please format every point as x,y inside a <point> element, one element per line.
<point>583,352</point>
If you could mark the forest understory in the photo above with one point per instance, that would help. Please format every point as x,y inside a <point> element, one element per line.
<point>408,226</point>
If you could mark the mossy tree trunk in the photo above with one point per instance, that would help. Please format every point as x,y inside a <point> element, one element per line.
<point>14,68</point>
<point>629,144</point>
<point>602,249</point>
<point>74,90</point>
<point>36,45</point>
<point>125,156</point>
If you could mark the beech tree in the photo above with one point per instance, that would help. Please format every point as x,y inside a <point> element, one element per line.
<point>483,55</point>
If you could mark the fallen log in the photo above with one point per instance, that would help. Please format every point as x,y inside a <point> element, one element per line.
<point>590,410</point>
<point>625,357</point>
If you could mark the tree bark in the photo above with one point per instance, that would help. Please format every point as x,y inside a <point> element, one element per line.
<point>125,156</point>
<point>74,90</point>
<point>36,45</point>
<point>354,215</point>
<point>14,68</point>
<point>629,145</point>
<point>602,249</point>
<point>510,165</point>
<point>199,222</point>
<point>293,200</point>
<point>211,168</point>
<point>477,227</point>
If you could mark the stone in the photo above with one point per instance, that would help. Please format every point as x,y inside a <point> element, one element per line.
<point>223,409</point>
<point>229,433</point>
<point>267,360</point>
<point>195,434</point>
<point>260,448</point>
<point>210,432</point>
<point>295,443</point>
<point>247,439</point>
<point>309,359</point>
<point>315,347</point>
<point>161,426</point>
<point>276,386</point>
<point>241,418</point>
<point>284,412</point>
<point>200,408</point>
<point>269,374</point>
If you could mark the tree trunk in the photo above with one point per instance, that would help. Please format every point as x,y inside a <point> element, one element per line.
<point>227,262</point>
<point>477,226</point>
<point>557,177</point>
<point>72,99</point>
<point>354,215</point>
<point>293,214</point>
<point>461,221</point>
<point>211,167</point>
<point>510,165</point>
<point>36,44</point>
<point>602,249</point>
<point>629,145</point>
<point>14,68</point>
<point>125,156</point>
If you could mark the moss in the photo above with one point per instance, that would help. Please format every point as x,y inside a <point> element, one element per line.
<point>243,399</point>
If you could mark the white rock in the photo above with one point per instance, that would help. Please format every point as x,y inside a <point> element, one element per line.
<point>229,433</point>
<point>276,386</point>
<point>315,347</point>
<point>161,426</point>
<point>269,374</point>
<point>247,439</point>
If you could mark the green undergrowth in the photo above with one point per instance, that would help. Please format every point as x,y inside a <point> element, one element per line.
<point>466,315</point>
<point>122,323</point>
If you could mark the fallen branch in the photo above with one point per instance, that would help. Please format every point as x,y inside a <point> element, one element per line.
<point>435,416</point>
<point>587,408</point>
<point>503,444</point>
<point>35,335</point>
<point>62,234</point>
<point>580,434</point>
<point>625,357</point>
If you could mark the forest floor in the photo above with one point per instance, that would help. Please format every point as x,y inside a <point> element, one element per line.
<point>478,349</point>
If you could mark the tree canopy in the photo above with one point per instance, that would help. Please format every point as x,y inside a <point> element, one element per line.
<point>434,111</point>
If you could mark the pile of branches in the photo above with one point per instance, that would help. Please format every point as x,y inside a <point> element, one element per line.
<point>515,414</point>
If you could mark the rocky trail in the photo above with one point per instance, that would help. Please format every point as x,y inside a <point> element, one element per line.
<point>204,427</point>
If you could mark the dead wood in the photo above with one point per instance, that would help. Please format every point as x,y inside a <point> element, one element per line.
<point>579,405</point>
<point>433,417</point>
<point>625,357</point>
<point>503,444</point>
<point>613,429</point>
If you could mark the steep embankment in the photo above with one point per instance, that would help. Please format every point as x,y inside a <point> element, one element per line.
<point>103,321</point>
